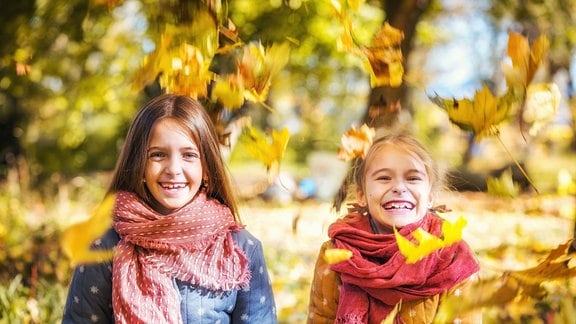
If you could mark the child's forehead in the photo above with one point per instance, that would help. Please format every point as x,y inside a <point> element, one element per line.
<point>393,152</point>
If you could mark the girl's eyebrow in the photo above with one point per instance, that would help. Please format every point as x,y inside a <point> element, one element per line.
<point>389,170</point>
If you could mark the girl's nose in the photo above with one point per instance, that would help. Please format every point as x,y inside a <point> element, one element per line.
<point>399,188</point>
<point>173,166</point>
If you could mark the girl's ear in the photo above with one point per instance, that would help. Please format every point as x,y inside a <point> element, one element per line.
<point>361,197</point>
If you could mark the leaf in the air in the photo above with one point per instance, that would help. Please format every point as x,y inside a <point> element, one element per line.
<point>542,102</point>
<point>560,264</point>
<point>383,58</point>
<point>503,186</point>
<point>480,115</point>
<point>189,73</point>
<point>426,243</point>
<point>356,142</point>
<point>77,239</point>
<point>228,92</point>
<point>336,255</point>
<point>525,60</point>
<point>268,152</point>
<point>259,66</point>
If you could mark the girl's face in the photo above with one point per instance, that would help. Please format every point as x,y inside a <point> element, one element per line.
<point>397,187</point>
<point>173,173</point>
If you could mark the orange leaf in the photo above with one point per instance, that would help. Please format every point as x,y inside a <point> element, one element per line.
<point>356,142</point>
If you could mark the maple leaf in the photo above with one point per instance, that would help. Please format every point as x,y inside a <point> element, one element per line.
<point>268,152</point>
<point>78,238</point>
<point>258,66</point>
<point>189,73</point>
<point>336,255</point>
<point>427,243</point>
<point>229,92</point>
<point>356,142</point>
<point>383,59</point>
<point>480,115</point>
<point>559,264</point>
<point>525,60</point>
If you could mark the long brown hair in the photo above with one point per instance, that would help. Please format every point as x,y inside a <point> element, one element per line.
<point>131,164</point>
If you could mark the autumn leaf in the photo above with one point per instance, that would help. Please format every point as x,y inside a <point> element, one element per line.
<point>336,255</point>
<point>525,61</point>
<point>560,264</point>
<point>356,142</point>
<point>189,73</point>
<point>542,102</point>
<point>77,239</point>
<point>268,152</point>
<point>259,66</point>
<point>228,92</point>
<point>427,243</point>
<point>480,115</point>
<point>503,186</point>
<point>383,58</point>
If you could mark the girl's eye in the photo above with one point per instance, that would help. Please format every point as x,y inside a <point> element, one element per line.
<point>383,178</point>
<point>190,155</point>
<point>414,178</point>
<point>156,155</point>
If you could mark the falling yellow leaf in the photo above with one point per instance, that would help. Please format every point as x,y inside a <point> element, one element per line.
<point>427,243</point>
<point>383,59</point>
<point>268,152</point>
<point>77,239</point>
<point>229,93</point>
<point>480,115</point>
<point>503,186</point>
<point>336,255</point>
<point>259,66</point>
<point>356,142</point>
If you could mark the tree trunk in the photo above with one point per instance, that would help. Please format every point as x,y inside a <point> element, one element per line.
<point>384,109</point>
<point>384,103</point>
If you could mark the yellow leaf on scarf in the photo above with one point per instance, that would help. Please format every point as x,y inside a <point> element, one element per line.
<point>427,243</point>
<point>337,255</point>
<point>77,239</point>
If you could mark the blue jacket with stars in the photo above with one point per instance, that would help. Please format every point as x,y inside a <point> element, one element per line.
<point>90,293</point>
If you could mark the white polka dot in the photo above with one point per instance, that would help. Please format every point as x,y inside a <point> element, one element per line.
<point>76,299</point>
<point>250,242</point>
<point>262,299</point>
<point>261,270</point>
<point>94,290</point>
<point>244,317</point>
<point>94,318</point>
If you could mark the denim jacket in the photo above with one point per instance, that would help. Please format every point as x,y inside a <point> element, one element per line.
<point>90,293</point>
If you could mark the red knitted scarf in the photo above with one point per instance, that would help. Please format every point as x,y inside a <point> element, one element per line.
<point>377,276</point>
<point>193,244</point>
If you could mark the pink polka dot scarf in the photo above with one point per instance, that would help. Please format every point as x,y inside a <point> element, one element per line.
<point>193,244</point>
